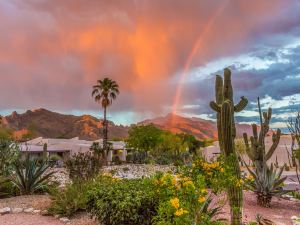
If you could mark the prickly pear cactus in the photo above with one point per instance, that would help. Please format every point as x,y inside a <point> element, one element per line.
<point>225,109</point>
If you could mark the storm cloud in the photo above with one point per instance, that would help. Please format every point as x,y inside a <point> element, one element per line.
<point>53,51</point>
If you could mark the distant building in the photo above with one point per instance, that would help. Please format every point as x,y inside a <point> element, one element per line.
<point>280,155</point>
<point>67,147</point>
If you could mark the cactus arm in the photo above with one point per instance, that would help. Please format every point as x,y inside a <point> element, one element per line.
<point>275,140</point>
<point>241,105</point>
<point>219,89</point>
<point>248,149</point>
<point>215,106</point>
<point>254,130</point>
<point>227,88</point>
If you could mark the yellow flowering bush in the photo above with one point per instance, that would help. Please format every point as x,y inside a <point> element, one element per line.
<point>217,175</point>
<point>183,200</point>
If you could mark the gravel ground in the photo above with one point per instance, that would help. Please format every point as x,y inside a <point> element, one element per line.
<point>28,219</point>
<point>280,212</point>
<point>37,202</point>
<point>26,201</point>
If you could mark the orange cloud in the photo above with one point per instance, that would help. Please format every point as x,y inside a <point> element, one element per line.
<point>53,51</point>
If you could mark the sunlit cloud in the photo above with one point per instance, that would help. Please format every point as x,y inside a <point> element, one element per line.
<point>53,51</point>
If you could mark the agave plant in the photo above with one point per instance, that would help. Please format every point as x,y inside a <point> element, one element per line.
<point>267,184</point>
<point>30,175</point>
<point>212,213</point>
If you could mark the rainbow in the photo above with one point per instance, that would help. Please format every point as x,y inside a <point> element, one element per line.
<point>192,54</point>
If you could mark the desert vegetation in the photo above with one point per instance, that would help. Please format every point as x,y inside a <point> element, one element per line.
<point>185,189</point>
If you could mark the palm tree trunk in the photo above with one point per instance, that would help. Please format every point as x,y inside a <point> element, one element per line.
<point>105,137</point>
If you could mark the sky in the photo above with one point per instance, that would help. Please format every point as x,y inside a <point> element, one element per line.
<point>163,54</point>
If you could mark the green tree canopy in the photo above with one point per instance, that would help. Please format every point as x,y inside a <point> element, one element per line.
<point>144,138</point>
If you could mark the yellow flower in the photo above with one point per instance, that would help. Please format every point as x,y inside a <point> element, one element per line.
<point>239,183</point>
<point>188,183</point>
<point>174,180</point>
<point>201,199</point>
<point>180,212</point>
<point>204,191</point>
<point>250,177</point>
<point>107,174</point>
<point>222,170</point>
<point>175,202</point>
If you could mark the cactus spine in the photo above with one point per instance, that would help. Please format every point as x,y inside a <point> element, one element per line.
<point>225,108</point>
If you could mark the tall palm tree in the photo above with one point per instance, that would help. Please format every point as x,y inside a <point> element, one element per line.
<point>104,92</point>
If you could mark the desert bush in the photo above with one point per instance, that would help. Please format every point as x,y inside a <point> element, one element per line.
<point>30,176</point>
<point>115,201</point>
<point>218,175</point>
<point>3,183</point>
<point>82,166</point>
<point>129,157</point>
<point>116,160</point>
<point>140,157</point>
<point>72,199</point>
<point>183,200</point>
<point>55,158</point>
<point>164,199</point>
<point>7,188</point>
<point>9,153</point>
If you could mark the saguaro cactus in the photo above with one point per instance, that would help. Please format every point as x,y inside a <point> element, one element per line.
<point>225,108</point>
<point>224,92</point>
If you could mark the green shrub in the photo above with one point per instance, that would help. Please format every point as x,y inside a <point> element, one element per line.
<point>30,176</point>
<point>118,202</point>
<point>83,166</point>
<point>129,157</point>
<point>7,188</point>
<point>116,160</point>
<point>3,183</point>
<point>140,157</point>
<point>55,157</point>
<point>183,200</point>
<point>9,153</point>
<point>71,200</point>
<point>296,194</point>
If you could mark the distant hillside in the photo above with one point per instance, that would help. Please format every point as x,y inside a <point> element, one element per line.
<point>200,128</point>
<point>42,122</point>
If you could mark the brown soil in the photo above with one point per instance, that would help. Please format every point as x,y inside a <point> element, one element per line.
<point>37,202</point>
<point>26,201</point>
<point>280,212</point>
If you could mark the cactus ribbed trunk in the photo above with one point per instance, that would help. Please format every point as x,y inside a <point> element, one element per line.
<point>225,110</point>
<point>235,193</point>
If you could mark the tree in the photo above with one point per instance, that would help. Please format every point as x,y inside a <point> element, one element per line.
<point>191,142</point>
<point>144,138</point>
<point>104,92</point>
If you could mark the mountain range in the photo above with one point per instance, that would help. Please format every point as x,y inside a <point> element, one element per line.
<point>48,124</point>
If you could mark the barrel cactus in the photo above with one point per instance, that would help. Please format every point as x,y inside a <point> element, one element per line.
<point>225,109</point>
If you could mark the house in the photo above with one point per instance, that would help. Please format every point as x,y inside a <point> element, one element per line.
<point>65,148</point>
